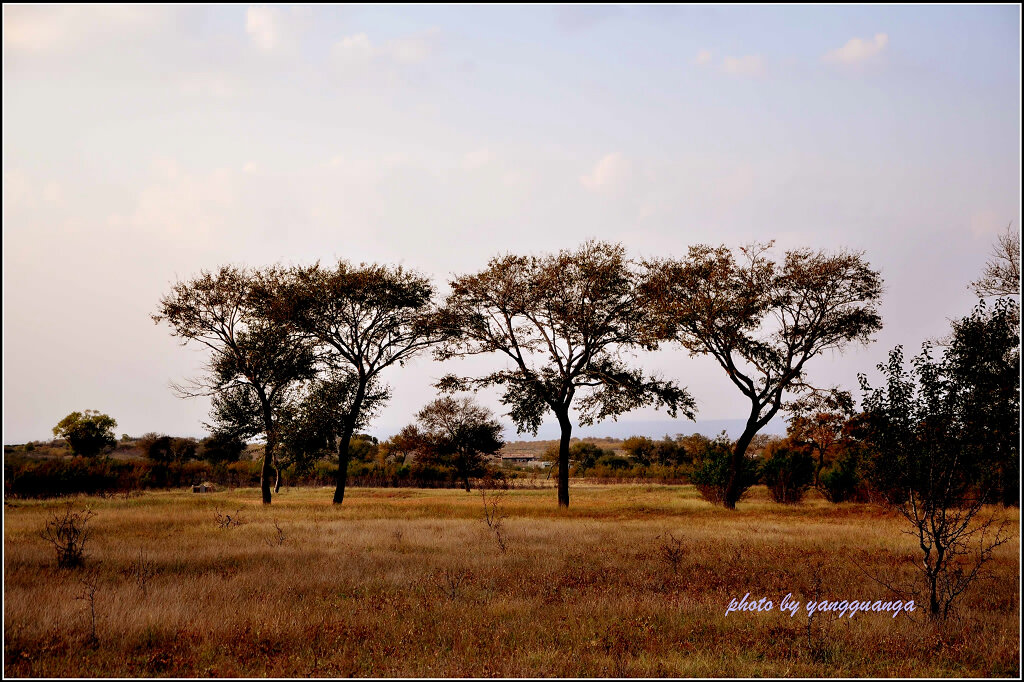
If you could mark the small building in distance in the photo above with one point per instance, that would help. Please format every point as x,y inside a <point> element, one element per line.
<point>205,487</point>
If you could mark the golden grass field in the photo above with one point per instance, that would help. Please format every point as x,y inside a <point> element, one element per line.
<point>402,582</point>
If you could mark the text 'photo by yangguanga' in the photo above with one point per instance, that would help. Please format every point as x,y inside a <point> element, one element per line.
<point>468,341</point>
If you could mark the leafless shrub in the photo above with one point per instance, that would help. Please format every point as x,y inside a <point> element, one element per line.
<point>494,515</point>
<point>67,531</point>
<point>225,521</point>
<point>141,571</point>
<point>452,581</point>
<point>671,552</point>
<point>820,645</point>
<point>956,543</point>
<point>90,585</point>
<point>277,539</point>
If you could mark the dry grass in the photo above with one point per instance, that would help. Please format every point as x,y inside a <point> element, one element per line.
<point>412,583</point>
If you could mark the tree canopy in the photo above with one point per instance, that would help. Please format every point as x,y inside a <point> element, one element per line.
<point>362,319</point>
<point>563,322</point>
<point>255,365</point>
<point>763,319</point>
<point>88,433</point>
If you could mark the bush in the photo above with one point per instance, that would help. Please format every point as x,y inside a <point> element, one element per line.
<point>711,475</point>
<point>787,471</point>
<point>67,531</point>
<point>842,481</point>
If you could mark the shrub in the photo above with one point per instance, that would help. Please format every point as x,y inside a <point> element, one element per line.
<point>842,481</point>
<point>787,471</point>
<point>67,531</point>
<point>711,475</point>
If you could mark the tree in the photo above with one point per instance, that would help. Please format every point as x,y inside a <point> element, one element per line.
<point>165,449</point>
<point>317,422</point>
<point>255,365</point>
<point>88,433</point>
<point>221,448</point>
<point>458,433</point>
<point>364,319</point>
<point>1001,276</point>
<point>400,446</point>
<point>763,321</point>
<point>787,469</point>
<point>918,426</point>
<point>817,420</point>
<point>983,359</point>
<point>563,322</point>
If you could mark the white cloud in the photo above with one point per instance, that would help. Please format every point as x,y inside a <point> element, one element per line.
<point>750,65</point>
<point>703,57</point>
<point>263,24</point>
<point>359,49</point>
<point>40,28</point>
<point>478,158</point>
<point>857,50</point>
<point>609,172</point>
<point>354,49</point>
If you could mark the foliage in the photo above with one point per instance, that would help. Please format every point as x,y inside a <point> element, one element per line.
<point>842,481</point>
<point>764,320</point>
<point>255,364</point>
<point>88,433</point>
<point>220,448</point>
<point>713,470</point>
<point>165,449</point>
<point>458,433</point>
<point>788,471</point>
<point>927,463</point>
<point>363,320</point>
<point>817,420</point>
<point>562,321</point>
<point>982,359</point>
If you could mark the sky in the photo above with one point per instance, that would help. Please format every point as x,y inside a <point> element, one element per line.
<point>142,144</point>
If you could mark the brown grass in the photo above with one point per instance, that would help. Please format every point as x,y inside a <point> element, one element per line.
<point>412,583</point>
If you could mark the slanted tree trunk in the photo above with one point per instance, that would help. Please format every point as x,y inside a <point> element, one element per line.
<point>732,489</point>
<point>343,457</point>
<point>277,481</point>
<point>348,428</point>
<point>563,458</point>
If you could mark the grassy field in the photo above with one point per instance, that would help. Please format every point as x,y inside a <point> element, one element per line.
<point>632,580</point>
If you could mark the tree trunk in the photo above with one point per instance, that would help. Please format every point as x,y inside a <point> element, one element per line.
<point>465,480</point>
<point>563,459</point>
<point>732,489</point>
<point>277,482</point>
<point>348,428</point>
<point>343,457</point>
<point>268,465</point>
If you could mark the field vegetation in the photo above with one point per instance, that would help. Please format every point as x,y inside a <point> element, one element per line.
<point>631,580</point>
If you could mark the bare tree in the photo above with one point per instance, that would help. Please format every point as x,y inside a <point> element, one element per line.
<point>564,322</point>
<point>1001,276</point>
<point>763,321</point>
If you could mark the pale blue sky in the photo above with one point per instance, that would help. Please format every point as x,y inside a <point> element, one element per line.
<point>141,144</point>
